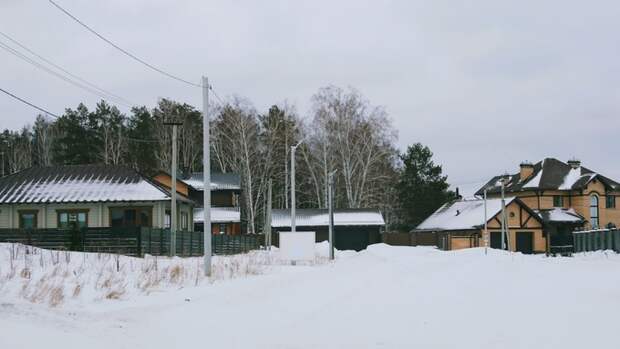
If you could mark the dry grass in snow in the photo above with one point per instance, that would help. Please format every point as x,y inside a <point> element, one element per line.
<point>56,277</point>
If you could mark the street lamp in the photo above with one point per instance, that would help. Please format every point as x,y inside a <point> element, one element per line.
<point>293,203</point>
<point>330,200</point>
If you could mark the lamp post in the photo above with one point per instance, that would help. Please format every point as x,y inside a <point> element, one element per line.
<point>293,202</point>
<point>330,203</point>
<point>174,122</point>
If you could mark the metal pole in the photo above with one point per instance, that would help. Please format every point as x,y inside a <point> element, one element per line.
<point>206,169</point>
<point>173,206</point>
<point>268,218</point>
<point>330,194</point>
<point>504,237</point>
<point>486,231</point>
<point>293,203</point>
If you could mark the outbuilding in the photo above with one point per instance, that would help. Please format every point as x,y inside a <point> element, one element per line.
<point>354,229</point>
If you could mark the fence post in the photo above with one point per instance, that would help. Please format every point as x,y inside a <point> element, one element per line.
<point>139,231</point>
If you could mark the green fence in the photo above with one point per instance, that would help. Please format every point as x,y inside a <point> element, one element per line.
<point>133,241</point>
<point>596,240</point>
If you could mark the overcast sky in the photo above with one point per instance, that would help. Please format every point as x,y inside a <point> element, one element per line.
<point>485,84</point>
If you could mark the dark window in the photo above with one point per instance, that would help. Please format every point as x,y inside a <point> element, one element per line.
<point>28,219</point>
<point>223,229</point>
<point>72,219</point>
<point>130,216</point>
<point>594,212</point>
<point>558,201</point>
<point>610,201</point>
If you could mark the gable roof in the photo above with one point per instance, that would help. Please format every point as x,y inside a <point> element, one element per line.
<point>79,183</point>
<point>560,215</point>
<point>219,215</point>
<point>320,217</point>
<point>549,174</point>
<point>219,181</point>
<point>466,214</point>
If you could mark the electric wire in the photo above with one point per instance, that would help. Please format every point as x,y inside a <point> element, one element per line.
<point>52,72</point>
<point>101,90</point>
<point>28,103</point>
<point>127,53</point>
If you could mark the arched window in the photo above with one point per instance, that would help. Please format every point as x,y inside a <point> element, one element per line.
<point>594,211</point>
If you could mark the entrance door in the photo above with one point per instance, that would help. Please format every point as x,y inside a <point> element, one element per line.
<point>496,239</point>
<point>525,242</point>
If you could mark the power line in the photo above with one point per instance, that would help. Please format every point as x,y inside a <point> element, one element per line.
<point>161,71</point>
<point>216,95</point>
<point>101,90</point>
<point>28,103</point>
<point>50,71</point>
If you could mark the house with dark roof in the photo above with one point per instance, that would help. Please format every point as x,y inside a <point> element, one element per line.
<point>87,196</point>
<point>225,195</point>
<point>460,224</point>
<point>354,229</point>
<point>565,196</point>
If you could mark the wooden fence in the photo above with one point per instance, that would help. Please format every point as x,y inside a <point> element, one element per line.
<point>133,241</point>
<point>410,239</point>
<point>596,240</point>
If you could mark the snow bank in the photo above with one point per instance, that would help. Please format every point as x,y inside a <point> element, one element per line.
<point>383,297</point>
<point>55,277</point>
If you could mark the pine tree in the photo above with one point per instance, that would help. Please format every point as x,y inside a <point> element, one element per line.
<point>421,188</point>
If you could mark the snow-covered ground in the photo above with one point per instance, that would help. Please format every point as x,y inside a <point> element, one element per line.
<point>384,297</point>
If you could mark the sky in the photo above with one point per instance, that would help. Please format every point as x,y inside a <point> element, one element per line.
<point>485,84</point>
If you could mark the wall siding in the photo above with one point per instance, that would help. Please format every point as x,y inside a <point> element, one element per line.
<point>98,213</point>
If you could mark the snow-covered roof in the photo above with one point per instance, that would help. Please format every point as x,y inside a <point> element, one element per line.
<point>462,214</point>
<point>80,183</point>
<point>320,217</point>
<point>219,215</point>
<point>560,215</point>
<point>219,181</point>
<point>549,174</point>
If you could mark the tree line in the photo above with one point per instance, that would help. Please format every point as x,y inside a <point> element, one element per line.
<point>343,132</point>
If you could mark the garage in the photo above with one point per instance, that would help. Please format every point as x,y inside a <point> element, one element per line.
<point>354,229</point>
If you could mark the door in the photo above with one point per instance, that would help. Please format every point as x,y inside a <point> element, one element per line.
<point>496,239</point>
<point>525,242</point>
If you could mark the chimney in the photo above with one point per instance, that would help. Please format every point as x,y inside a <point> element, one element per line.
<point>458,196</point>
<point>527,168</point>
<point>574,163</point>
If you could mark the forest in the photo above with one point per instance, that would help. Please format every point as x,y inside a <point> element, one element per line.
<point>342,131</point>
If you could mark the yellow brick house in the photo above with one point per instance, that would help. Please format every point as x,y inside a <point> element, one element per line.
<point>564,197</point>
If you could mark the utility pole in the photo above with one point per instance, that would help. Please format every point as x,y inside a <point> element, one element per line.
<point>486,231</point>
<point>173,190</point>
<point>268,216</point>
<point>330,202</point>
<point>504,237</point>
<point>206,170</point>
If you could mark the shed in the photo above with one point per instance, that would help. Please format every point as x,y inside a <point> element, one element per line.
<point>354,229</point>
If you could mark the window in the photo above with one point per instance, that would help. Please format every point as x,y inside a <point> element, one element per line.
<point>72,219</point>
<point>167,220</point>
<point>130,216</point>
<point>558,201</point>
<point>594,212</point>
<point>610,201</point>
<point>184,221</point>
<point>223,228</point>
<point>28,219</point>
